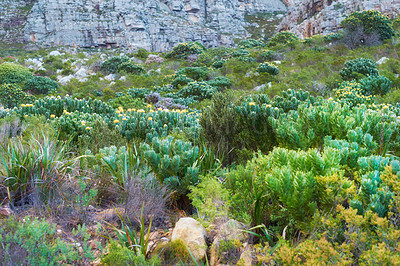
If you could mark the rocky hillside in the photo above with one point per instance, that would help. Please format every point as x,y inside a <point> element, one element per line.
<point>151,24</point>
<point>309,17</point>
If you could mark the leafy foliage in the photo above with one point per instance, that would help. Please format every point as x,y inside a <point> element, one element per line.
<point>113,64</point>
<point>283,37</point>
<point>269,68</point>
<point>13,73</point>
<point>42,85</point>
<point>358,68</point>
<point>174,162</point>
<point>182,50</point>
<point>369,21</point>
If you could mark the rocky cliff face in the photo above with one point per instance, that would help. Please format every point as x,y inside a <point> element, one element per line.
<point>152,24</point>
<point>309,17</point>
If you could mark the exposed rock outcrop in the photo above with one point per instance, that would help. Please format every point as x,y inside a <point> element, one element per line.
<point>151,24</point>
<point>193,234</point>
<point>309,17</point>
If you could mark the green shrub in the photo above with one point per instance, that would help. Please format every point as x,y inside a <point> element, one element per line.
<point>196,73</point>
<point>268,55</point>
<point>241,53</point>
<point>35,242</point>
<point>251,43</point>
<point>175,253</point>
<point>268,68</point>
<point>174,162</point>
<point>210,199</point>
<point>121,256</point>
<point>221,82</point>
<point>138,92</point>
<point>182,50</point>
<point>220,124</point>
<point>254,114</point>
<point>142,53</point>
<point>131,67</point>
<point>11,95</point>
<point>181,80</point>
<point>13,73</point>
<point>35,165</point>
<point>358,68</point>
<point>353,93</point>
<point>41,85</point>
<point>127,101</point>
<point>332,37</point>
<point>198,91</point>
<point>113,64</point>
<point>370,21</point>
<point>376,85</point>
<point>283,37</point>
<point>218,64</point>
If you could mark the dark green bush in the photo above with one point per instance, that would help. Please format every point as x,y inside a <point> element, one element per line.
<point>369,21</point>
<point>196,73</point>
<point>251,43</point>
<point>358,68</point>
<point>113,64</point>
<point>131,67</point>
<point>241,53</point>
<point>142,53</point>
<point>198,90</point>
<point>41,85</point>
<point>13,73</point>
<point>220,125</point>
<point>11,95</point>
<point>182,50</point>
<point>181,80</point>
<point>376,85</point>
<point>283,37</point>
<point>221,82</point>
<point>138,92</point>
<point>268,55</point>
<point>269,68</point>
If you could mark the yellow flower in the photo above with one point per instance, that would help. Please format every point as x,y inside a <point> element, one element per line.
<point>116,121</point>
<point>22,105</point>
<point>52,116</point>
<point>149,105</point>
<point>385,107</point>
<point>150,118</point>
<point>83,123</point>
<point>252,103</point>
<point>87,128</point>
<point>124,119</point>
<point>165,125</point>
<point>119,115</point>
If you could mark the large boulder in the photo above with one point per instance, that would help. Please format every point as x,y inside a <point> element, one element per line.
<point>193,234</point>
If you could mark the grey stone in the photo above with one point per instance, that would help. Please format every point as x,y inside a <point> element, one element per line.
<point>156,25</point>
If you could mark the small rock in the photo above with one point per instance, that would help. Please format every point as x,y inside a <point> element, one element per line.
<point>5,211</point>
<point>110,77</point>
<point>55,53</point>
<point>259,88</point>
<point>123,78</point>
<point>81,73</point>
<point>382,60</point>
<point>246,256</point>
<point>193,234</point>
<point>277,62</point>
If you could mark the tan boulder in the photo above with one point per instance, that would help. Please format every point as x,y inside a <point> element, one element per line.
<point>193,234</point>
